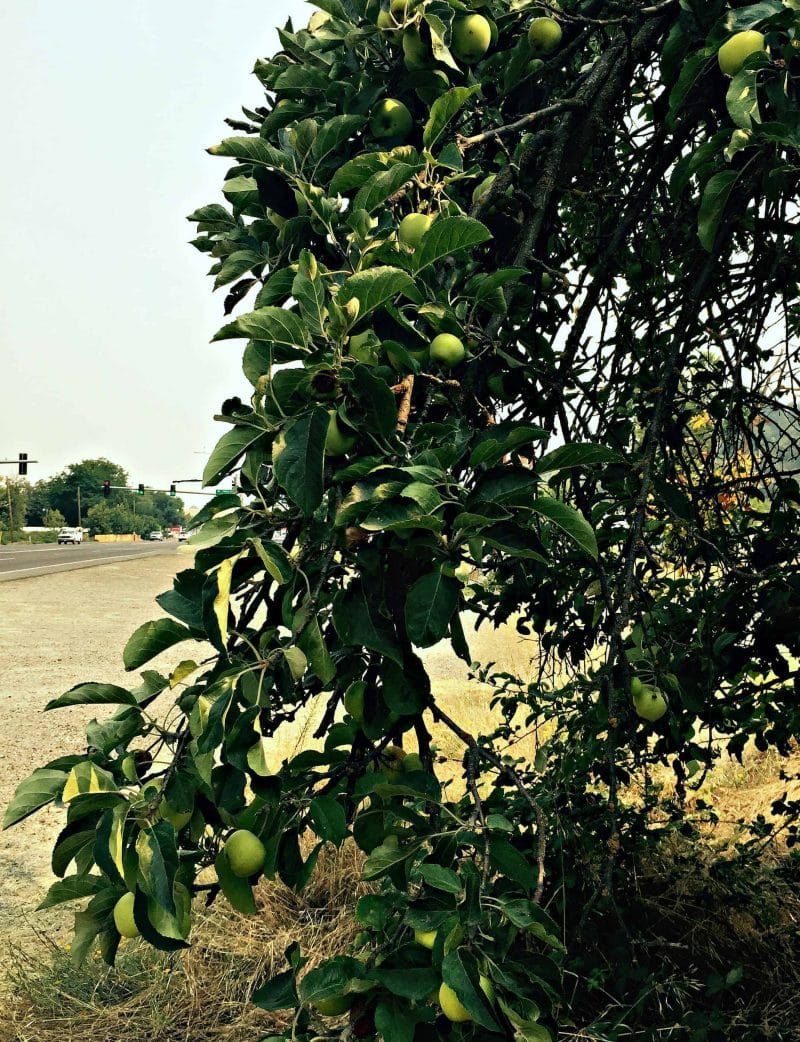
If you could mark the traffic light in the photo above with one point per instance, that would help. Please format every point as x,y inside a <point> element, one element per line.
<point>172,490</point>
<point>140,490</point>
<point>106,488</point>
<point>23,463</point>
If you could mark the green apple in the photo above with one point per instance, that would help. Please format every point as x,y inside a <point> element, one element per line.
<point>337,443</point>
<point>412,228</point>
<point>650,703</point>
<point>177,818</point>
<point>732,54</point>
<point>391,119</point>
<point>544,35</point>
<point>354,701</point>
<point>123,916</point>
<point>364,347</point>
<point>334,1005</point>
<point>245,852</point>
<point>392,762</point>
<point>415,53</point>
<point>471,38</point>
<point>447,350</point>
<point>413,762</point>
<point>547,280</point>
<point>427,938</point>
<point>452,1008</point>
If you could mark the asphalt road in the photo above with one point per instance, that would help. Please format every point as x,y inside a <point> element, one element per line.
<point>26,562</point>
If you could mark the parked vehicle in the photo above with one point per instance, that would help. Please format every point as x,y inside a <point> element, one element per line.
<point>70,535</point>
<point>157,537</point>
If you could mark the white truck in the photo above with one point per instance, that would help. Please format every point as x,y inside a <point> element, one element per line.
<point>70,535</point>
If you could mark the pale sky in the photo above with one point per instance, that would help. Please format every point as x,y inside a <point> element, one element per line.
<point>106,312</point>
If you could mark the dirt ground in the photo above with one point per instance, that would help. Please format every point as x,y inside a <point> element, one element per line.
<point>70,627</point>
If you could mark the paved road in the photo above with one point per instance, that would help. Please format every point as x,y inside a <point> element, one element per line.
<point>26,562</point>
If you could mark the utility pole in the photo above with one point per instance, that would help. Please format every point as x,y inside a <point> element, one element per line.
<point>79,507</point>
<point>10,509</point>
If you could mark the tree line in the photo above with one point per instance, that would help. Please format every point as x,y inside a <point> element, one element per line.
<point>75,496</point>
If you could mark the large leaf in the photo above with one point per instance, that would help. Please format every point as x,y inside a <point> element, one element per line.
<point>374,288</point>
<point>334,133</point>
<point>460,972</point>
<point>569,520</point>
<point>383,184</point>
<point>298,468</point>
<point>430,604</point>
<point>251,149</point>
<point>309,292</point>
<point>228,450</point>
<point>157,864</point>
<point>72,888</point>
<point>358,622</point>
<point>151,639</point>
<point>34,792</point>
<point>712,205</point>
<point>95,695</point>
<point>448,235</point>
<point>274,325</point>
<point>443,110</point>
<point>576,454</point>
<point>330,822</point>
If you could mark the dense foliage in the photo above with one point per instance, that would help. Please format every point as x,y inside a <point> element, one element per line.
<point>576,381</point>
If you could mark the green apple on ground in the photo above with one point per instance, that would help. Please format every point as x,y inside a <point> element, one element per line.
<point>650,703</point>
<point>544,35</point>
<point>245,852</point>
<point>447,350</point>
<point>472,36</point>
<point>734,52</point>
<point>123,916</point>
<point>427,938</point>
<point>391,118</point>
<point>412,228</point>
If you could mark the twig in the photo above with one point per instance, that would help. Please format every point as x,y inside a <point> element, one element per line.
<point>404,408</point>
<point>532,117</point>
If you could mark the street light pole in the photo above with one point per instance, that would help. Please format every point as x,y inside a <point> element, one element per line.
<point>79,507</point>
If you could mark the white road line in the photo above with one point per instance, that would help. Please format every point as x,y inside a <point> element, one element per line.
<point>69,564</point>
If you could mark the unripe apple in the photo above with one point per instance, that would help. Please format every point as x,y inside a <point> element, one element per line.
<point>734,52</point>
<point>427,938</point>
<point>544,35</point>
<point>354,701</point>
<point>391,119</point>
<point>451,1006</point>
<point>415,53</point>
<point>245,852</point>
<point>333,1006</point>
<point>412,228</point>
<point>337,443</point>
<point>123,916</point>
<point>547,280</point>
<point>447,350</point>
<point>471,38</point>
<point>650,703</point>
<point>413,762</point>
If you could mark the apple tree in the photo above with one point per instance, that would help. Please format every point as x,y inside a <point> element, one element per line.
<point>516,288</point>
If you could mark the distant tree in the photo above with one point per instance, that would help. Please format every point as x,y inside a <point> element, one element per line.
<point>88,475</point>
<point>13,494</point>
<point>110,519</point>
<point>38,503</point>
<point>167,510</point>
<point>53,519</point>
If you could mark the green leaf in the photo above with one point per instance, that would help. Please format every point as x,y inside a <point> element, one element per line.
<point>157,864</point>
<point>274,325</point>
<point>72,888</point>
<point>712,206</point>
<point>430,604</point>
<point>308,290</point>
<point>278,993</point>
<point>95,695</point>
<point>377,401</point>
<point>334,134</point>
<point>276,561</point>
<point>299,467</point>
<point>508,860</point>
<point>374,288</point>
<point>383,184</point>
<point>443,110</point>
<point>311,643</point>
<point>448,235</point>
<point>460,972</point>
<point>251,149</point>
<point>359,623</point>
<point>237,890</point>
<point>228,450</point>
<point>296,661</point>
<point>330,822</point>
<point>151,639</point>
<point>382,859</point>
<point>496,442</point>
<point>742,99</point>
<point>236,264</point>
<point>356,172</point>
<point>569,520</point>
<point>576,454</point>
<point>409,982</point>
<point>441,878</point>
<point>34,792</point>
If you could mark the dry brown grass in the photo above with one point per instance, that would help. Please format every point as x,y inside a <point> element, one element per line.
<point>202,995</point>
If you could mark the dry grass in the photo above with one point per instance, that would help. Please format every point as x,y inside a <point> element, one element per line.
<point>202,995</point>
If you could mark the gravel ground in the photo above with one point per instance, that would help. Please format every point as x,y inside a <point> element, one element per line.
<point>69,627</point>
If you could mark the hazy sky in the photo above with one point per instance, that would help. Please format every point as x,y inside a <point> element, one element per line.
<point>105,312</point>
